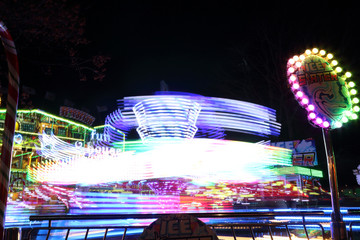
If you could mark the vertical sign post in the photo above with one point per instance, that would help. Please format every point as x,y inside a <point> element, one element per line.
<point>337,225</point>
<point>10,120</point>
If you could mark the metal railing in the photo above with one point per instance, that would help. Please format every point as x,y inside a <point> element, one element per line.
<point>251,230</point>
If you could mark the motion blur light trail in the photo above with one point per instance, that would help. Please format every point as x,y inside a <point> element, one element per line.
<point>213,116</point>
<point>191,159</point>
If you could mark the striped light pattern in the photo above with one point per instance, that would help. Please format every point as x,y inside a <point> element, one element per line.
<point>10,119</point>
<point>196,159</point>
<point>216,115</point>
<point>295,63</point>
<point>106,136</point>
<point>168,117</point>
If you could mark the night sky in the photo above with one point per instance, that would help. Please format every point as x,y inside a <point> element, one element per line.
<point>209,48</point>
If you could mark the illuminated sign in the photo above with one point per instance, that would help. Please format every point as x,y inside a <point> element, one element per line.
<point>178,226</point>
<point>319,86</point>
<point>303,151</point>
<point>18,138</point>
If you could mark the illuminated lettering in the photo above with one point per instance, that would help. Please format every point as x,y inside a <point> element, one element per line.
<point>319,66</point>
<point>309,159</point>
<point>302,80</point>
<point>327,76</point>
<point>313,78</point>
<point>334,77</point>
<point>312,67</point>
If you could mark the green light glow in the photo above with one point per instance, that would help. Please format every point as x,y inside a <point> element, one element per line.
<point>38,111</point>
<point>298,170</point>
<point>338,124</point>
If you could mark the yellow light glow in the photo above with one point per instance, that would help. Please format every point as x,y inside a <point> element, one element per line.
<point>348,74</point>
<point>302,57</point>
<point>334,62</point>
<point>353,91</point>
<point>338,69</point>
<point>308,52</point>
<point>355,100</point>
<point>322,52</point>
<point>315,50</point>
<point>351,84</point>
<point>330,56</point>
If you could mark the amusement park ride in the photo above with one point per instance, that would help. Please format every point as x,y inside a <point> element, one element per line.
<point>181,163</point>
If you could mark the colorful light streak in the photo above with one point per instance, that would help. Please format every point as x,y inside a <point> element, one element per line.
<point>171,117</point>
<point>216,116</point>
<point>192,159</point>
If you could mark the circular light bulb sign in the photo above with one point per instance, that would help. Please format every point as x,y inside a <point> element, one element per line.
<point>320,87</point>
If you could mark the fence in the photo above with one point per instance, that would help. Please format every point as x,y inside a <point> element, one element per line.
<point>245,225</point>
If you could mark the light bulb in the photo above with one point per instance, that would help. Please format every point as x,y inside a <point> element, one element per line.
<point>292,78</point>
<point>326,124</point>
<point>305,101</point>
<point>319,120</point>
<point>315,50</point>
<point>334,62</point>
<point>355,100</point>
<point>338,69</point>
<point>308,52</point>
<point>330,56</point>
<point>322,52</point>
<point>338,124</point>
<point>348,74</point>
<point>356,109</point>
<point>296,57</point>
<point>312,115</point>
<point>311,107</point>
<point>351,84</point>
<point>353,91</point>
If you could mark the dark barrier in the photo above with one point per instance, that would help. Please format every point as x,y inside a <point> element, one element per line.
<point>12,234</point>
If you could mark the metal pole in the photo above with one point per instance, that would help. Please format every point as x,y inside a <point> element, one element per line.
<point>337,225</point>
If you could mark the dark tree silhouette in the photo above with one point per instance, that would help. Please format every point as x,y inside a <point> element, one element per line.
<point>50,34</point>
